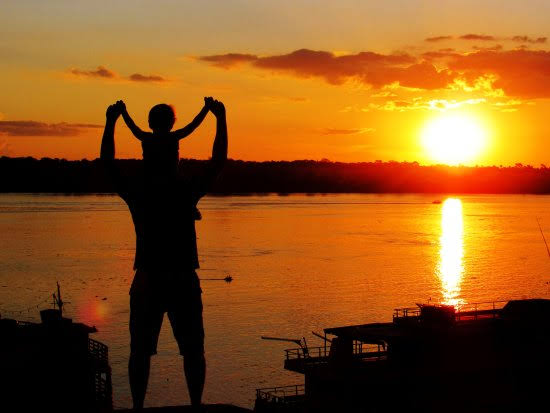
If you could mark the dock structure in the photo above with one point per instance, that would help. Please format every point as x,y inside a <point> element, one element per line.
<point>484,357</point>
<point>53,366</point>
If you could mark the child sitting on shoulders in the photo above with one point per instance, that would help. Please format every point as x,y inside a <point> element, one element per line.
<point>161,146</point>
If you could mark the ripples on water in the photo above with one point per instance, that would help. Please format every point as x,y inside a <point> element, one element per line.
<point>300,263</point>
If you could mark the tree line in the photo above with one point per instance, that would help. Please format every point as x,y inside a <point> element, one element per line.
<point>303,176</point>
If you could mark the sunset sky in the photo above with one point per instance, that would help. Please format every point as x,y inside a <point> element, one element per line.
<point>344,80</point>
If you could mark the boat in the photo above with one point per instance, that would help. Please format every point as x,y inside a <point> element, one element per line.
<point>482,357</point>
<point>53,365</point>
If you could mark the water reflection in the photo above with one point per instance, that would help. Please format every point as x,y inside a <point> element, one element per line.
<point>450,268</point>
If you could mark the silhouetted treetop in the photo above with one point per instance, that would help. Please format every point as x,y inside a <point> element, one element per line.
<point>59,175</point>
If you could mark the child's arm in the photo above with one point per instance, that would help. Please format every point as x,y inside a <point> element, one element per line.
<point>187,130</point>
<point>136,131</point>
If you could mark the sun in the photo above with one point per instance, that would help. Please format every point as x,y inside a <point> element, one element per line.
<point>454,139</point>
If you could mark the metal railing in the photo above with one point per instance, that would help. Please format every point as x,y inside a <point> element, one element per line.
<point>25,323</point>
<point>98,351</point>
<point>406,312</point>
<point>463,311</point>
<point>487,309</point>
<point>359,348</point>
<point>283,394</point>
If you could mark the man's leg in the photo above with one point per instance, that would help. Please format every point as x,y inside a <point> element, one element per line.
<point>138,371</point>
<point>145,322</point>
<point>194,367</point>
<point>185,316</point>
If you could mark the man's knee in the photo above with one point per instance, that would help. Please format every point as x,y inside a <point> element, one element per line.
<point>139,358</point>
<point>193,355</point>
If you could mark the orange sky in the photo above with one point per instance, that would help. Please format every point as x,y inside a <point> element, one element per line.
<point>347,80</point>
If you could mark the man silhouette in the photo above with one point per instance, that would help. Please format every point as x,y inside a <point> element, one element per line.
<point>163,208</point>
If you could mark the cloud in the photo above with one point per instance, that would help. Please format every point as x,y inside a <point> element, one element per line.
<point>34,128</point>
<point>444,104</point>
<point>438,38</point>
<point>482,37</point>
<point>283,99</point>
<point>439,54</point>
<point>331,131</point>
<point>370,68</point>
<point>137,77</point>
<point>229,60</point>
<point>493,71</point>
<point>104,73</point>
<point>100,72</point>
<point>419,103</point>
<point>485,37</point>
<point>527,39</point>
<point>495,47</point>
<point>519,73</point>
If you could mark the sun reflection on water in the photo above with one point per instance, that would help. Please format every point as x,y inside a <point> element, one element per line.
<point>450,268</point>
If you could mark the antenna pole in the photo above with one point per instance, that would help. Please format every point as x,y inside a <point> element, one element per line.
<point>60,301</point>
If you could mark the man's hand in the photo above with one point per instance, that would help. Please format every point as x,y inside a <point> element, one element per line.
<point>218,109</point>
<point>113,112</point>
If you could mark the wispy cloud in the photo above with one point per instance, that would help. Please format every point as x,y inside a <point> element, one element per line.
<point>527,39</point>
<point>229,60</point>
<point>332,131</point>
<point>34,128</point>
<point>473,36</point>
<point>101,72</point>
<point>137,77</point>
<point>422,104</point>
<point>488,38</point>
<point>444,104</point>
<point>438,38</point>
<point>491,48</point>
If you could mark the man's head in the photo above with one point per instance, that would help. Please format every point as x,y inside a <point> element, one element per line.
<point>162,118</point>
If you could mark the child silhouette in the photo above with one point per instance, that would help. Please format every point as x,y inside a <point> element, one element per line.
<point>161,146</point>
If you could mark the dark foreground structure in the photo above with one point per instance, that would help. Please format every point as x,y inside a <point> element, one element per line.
<point>53,366</point>
<point>486,357</point>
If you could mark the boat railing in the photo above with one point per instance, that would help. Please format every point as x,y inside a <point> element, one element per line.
<point>283,394</point>
<point>359,348</point>
<point>487,309</point>
<point>406,312</point>
<point>98,351</point>
<point>25,323</point>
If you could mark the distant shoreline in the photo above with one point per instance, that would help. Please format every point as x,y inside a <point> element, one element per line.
<point>46,175</point>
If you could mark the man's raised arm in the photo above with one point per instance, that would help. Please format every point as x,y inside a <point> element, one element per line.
<point>219,150</point>
<point>219,153</point>
<point>108,141</point>
<point>119,181</point>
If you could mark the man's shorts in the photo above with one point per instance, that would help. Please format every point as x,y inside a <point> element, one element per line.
<point>179,295</point>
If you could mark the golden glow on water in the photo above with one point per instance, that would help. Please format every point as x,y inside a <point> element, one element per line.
<point>450,268</point>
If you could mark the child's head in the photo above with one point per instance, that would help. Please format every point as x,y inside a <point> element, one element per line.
<point>162,118</point>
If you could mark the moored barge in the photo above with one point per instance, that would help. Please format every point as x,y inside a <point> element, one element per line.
<point>486,357</point>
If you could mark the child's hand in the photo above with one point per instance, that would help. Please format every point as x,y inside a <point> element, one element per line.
<point>121,106</point>
<point>208,100</point>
